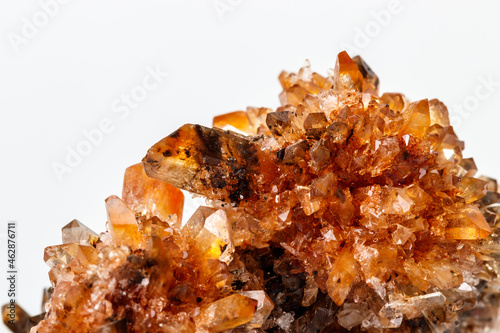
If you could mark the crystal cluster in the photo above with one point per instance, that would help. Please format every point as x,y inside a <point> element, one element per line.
<point>343,209</point>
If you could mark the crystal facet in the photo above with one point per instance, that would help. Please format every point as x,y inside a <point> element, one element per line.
<point>151,197</point>
<point>340,210</point>
<point>77,232</point>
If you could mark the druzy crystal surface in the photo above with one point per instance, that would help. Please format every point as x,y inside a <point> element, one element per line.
<point>343,209</point>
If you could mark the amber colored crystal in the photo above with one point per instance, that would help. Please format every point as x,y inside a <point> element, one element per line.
<point>208,161</point>
<point>438,113</point>
<point>226,313</point>
<point>122,223</point>
<point>151,197</point>
<point>370,79</point>
<point>347,73</point>
<point>342,276</point>
<point>65,253</point>
<point>340,210</point>
<point>417,118</point>
<point>211,234</point>
<point>395,101</point>
<point>77,232</point>
<point>237,120</point>
<point>263,309</point>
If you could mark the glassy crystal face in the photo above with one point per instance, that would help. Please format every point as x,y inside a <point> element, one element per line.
<point>77,232</point>
<point>150,197</point>
<point>343,209</point>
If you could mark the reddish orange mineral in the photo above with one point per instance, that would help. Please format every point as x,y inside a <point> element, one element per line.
<point>342,209</point>
<point>150,197</point>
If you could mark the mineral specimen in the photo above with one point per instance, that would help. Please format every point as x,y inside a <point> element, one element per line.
<point>342,209</point>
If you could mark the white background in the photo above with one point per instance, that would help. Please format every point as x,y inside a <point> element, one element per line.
<point>65,78</point>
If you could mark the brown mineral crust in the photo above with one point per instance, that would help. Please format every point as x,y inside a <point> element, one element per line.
<point>341,210</point>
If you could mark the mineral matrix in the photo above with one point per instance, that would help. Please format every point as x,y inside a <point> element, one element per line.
<point>341,210</point>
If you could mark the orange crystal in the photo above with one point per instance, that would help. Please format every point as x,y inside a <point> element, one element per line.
<point>340,210</point>
<point>122,223</point>
<point>237,120</point>
<point>150,197</point>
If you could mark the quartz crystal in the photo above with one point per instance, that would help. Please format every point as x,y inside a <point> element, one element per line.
<point>151,197</point>
<point>342,209</point>
<point>77,232</point>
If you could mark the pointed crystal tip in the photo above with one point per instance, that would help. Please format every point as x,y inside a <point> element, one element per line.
<point>77,232</point>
